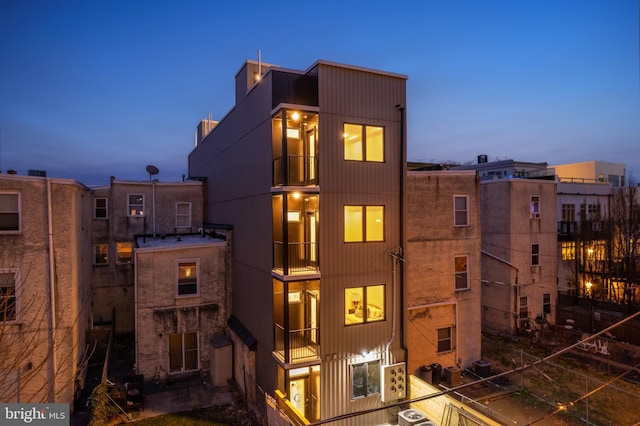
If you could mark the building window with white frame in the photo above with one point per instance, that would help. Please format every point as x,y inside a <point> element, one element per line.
<point>461,210</point>
<point>9,212</point>
<point>100,254</point>
<point>183,352</point>
<point>124,253</point>
<point>183,215</point>
<point>462,277</point>
<point>363,223</point>
<point>100,208</point>
<point>365,379</point>
<point>7,296</point>
<point>535,207</point>
<point>187,278</point>
<point>535,254</point>
<point>135,205</point>
<point>445,339</point>
<point>363,143</point>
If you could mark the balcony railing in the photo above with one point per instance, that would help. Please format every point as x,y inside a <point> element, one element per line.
<point>303,344</point>
<point>301,171</point>
<point>567,228</point>
<point>302,258</point>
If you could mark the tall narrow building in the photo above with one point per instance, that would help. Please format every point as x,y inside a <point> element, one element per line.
<point>308,167</point>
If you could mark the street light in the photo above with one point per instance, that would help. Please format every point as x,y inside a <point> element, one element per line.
<point>588,285</point>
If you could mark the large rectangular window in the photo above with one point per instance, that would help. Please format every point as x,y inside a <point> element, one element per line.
<point>363,223</point>
<point>364,304</point>
<point>135,205</point>
<point>7,296</point>
<point>365,379</point>
<point>100,208</point>
<point>461,210</point>
<point>187,278</point>
<point>363,143</point>
<point>124,253</point>
<point>535,254</point>
<point>445,339</point>
<point>462,278</point>
<point>183,352</point>
<point>568,250</point>
<point>183,215</point>
<point>9,213</point>
<point>523,307</point>
<point>568,212</point>
<point>100,254</point>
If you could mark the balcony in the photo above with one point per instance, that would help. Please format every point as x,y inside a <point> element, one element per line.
<point>302,345</point>
<point>567,228</point>
<point>300,171</point>
<point>301,258</point>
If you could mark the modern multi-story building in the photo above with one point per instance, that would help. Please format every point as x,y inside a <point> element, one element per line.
<point>443,264</point>
<point>45,292</point>
<point>308,167</point>
<point>519,254</point>
<point>593,172</point>
<point>121,211</point>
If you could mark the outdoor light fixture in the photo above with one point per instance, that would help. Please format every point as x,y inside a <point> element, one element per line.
<point>295,116</point>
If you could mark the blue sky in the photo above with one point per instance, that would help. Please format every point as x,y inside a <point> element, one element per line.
<point>92,89</point>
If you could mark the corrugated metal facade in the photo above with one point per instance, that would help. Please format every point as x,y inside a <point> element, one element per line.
<point>237,160</point>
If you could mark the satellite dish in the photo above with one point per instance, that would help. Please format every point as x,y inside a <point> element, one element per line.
<point>152,170</point>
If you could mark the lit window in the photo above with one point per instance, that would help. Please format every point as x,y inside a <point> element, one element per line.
<point>461,211</point>
<point>535,206</point>
<point>187,278</point>
<point>363,223</point>
<point>124,253</point>
<point>535,254</point>
<point>100,251</point>
<point>100,210</point>
<point>568,250</point>
<point>183,215</point>
<point>462,279</point>
<point>445,339</point>
<point>365,379</point>
<point>135,205</point>
<point>183,352</point>
<point>364,304</point>
<point>363,143</point>
<point>546,303</point>
<point>9,213</point>
<point>7,296</point>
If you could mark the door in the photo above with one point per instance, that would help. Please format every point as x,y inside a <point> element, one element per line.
<point>311,236</point>
<point>297,395</point>
<point>312,316</point>
<point>310,153</point>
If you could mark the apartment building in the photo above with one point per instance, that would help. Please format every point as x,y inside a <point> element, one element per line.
<point>45,294</point>
<point>443,269</point>
<point>593,172</point>
<point>519,254</point>
<point>122,211</point>
<point>308,168</point>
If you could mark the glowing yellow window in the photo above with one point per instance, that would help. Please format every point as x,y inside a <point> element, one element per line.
<point>353,142</point>
<point>375,144</point>
<point>364,304</point>
<point>375,223</point>
<point>353,223</point>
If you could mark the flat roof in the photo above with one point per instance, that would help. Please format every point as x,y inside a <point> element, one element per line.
<point>174,242</point>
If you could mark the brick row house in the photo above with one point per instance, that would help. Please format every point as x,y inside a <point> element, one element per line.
<point>45,291</point>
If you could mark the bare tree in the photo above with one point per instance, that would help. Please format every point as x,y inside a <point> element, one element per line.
<point>36,356</point>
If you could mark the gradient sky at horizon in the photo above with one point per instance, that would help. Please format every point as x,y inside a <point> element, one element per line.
<point>95,89</point>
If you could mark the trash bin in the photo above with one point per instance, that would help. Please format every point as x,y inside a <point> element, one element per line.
<point>425,373</point>
<point>436,374</point>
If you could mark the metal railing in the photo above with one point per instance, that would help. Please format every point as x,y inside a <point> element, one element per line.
<point>301,171</point>
<point>302,258</point>
<point>303,344</point>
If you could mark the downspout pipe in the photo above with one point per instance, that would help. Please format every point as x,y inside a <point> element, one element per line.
<point>402,186</point>
<point>52,297</point>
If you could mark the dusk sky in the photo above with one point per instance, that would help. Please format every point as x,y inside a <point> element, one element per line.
<point>92,89</point>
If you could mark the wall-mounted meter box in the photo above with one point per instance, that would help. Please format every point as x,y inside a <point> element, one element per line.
<point>394,382</point>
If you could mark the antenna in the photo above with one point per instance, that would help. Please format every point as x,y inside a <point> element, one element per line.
<point>152,170</point>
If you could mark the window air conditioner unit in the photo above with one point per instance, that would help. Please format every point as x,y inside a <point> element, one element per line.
<point>411,417</point>
<point>535,215</point>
